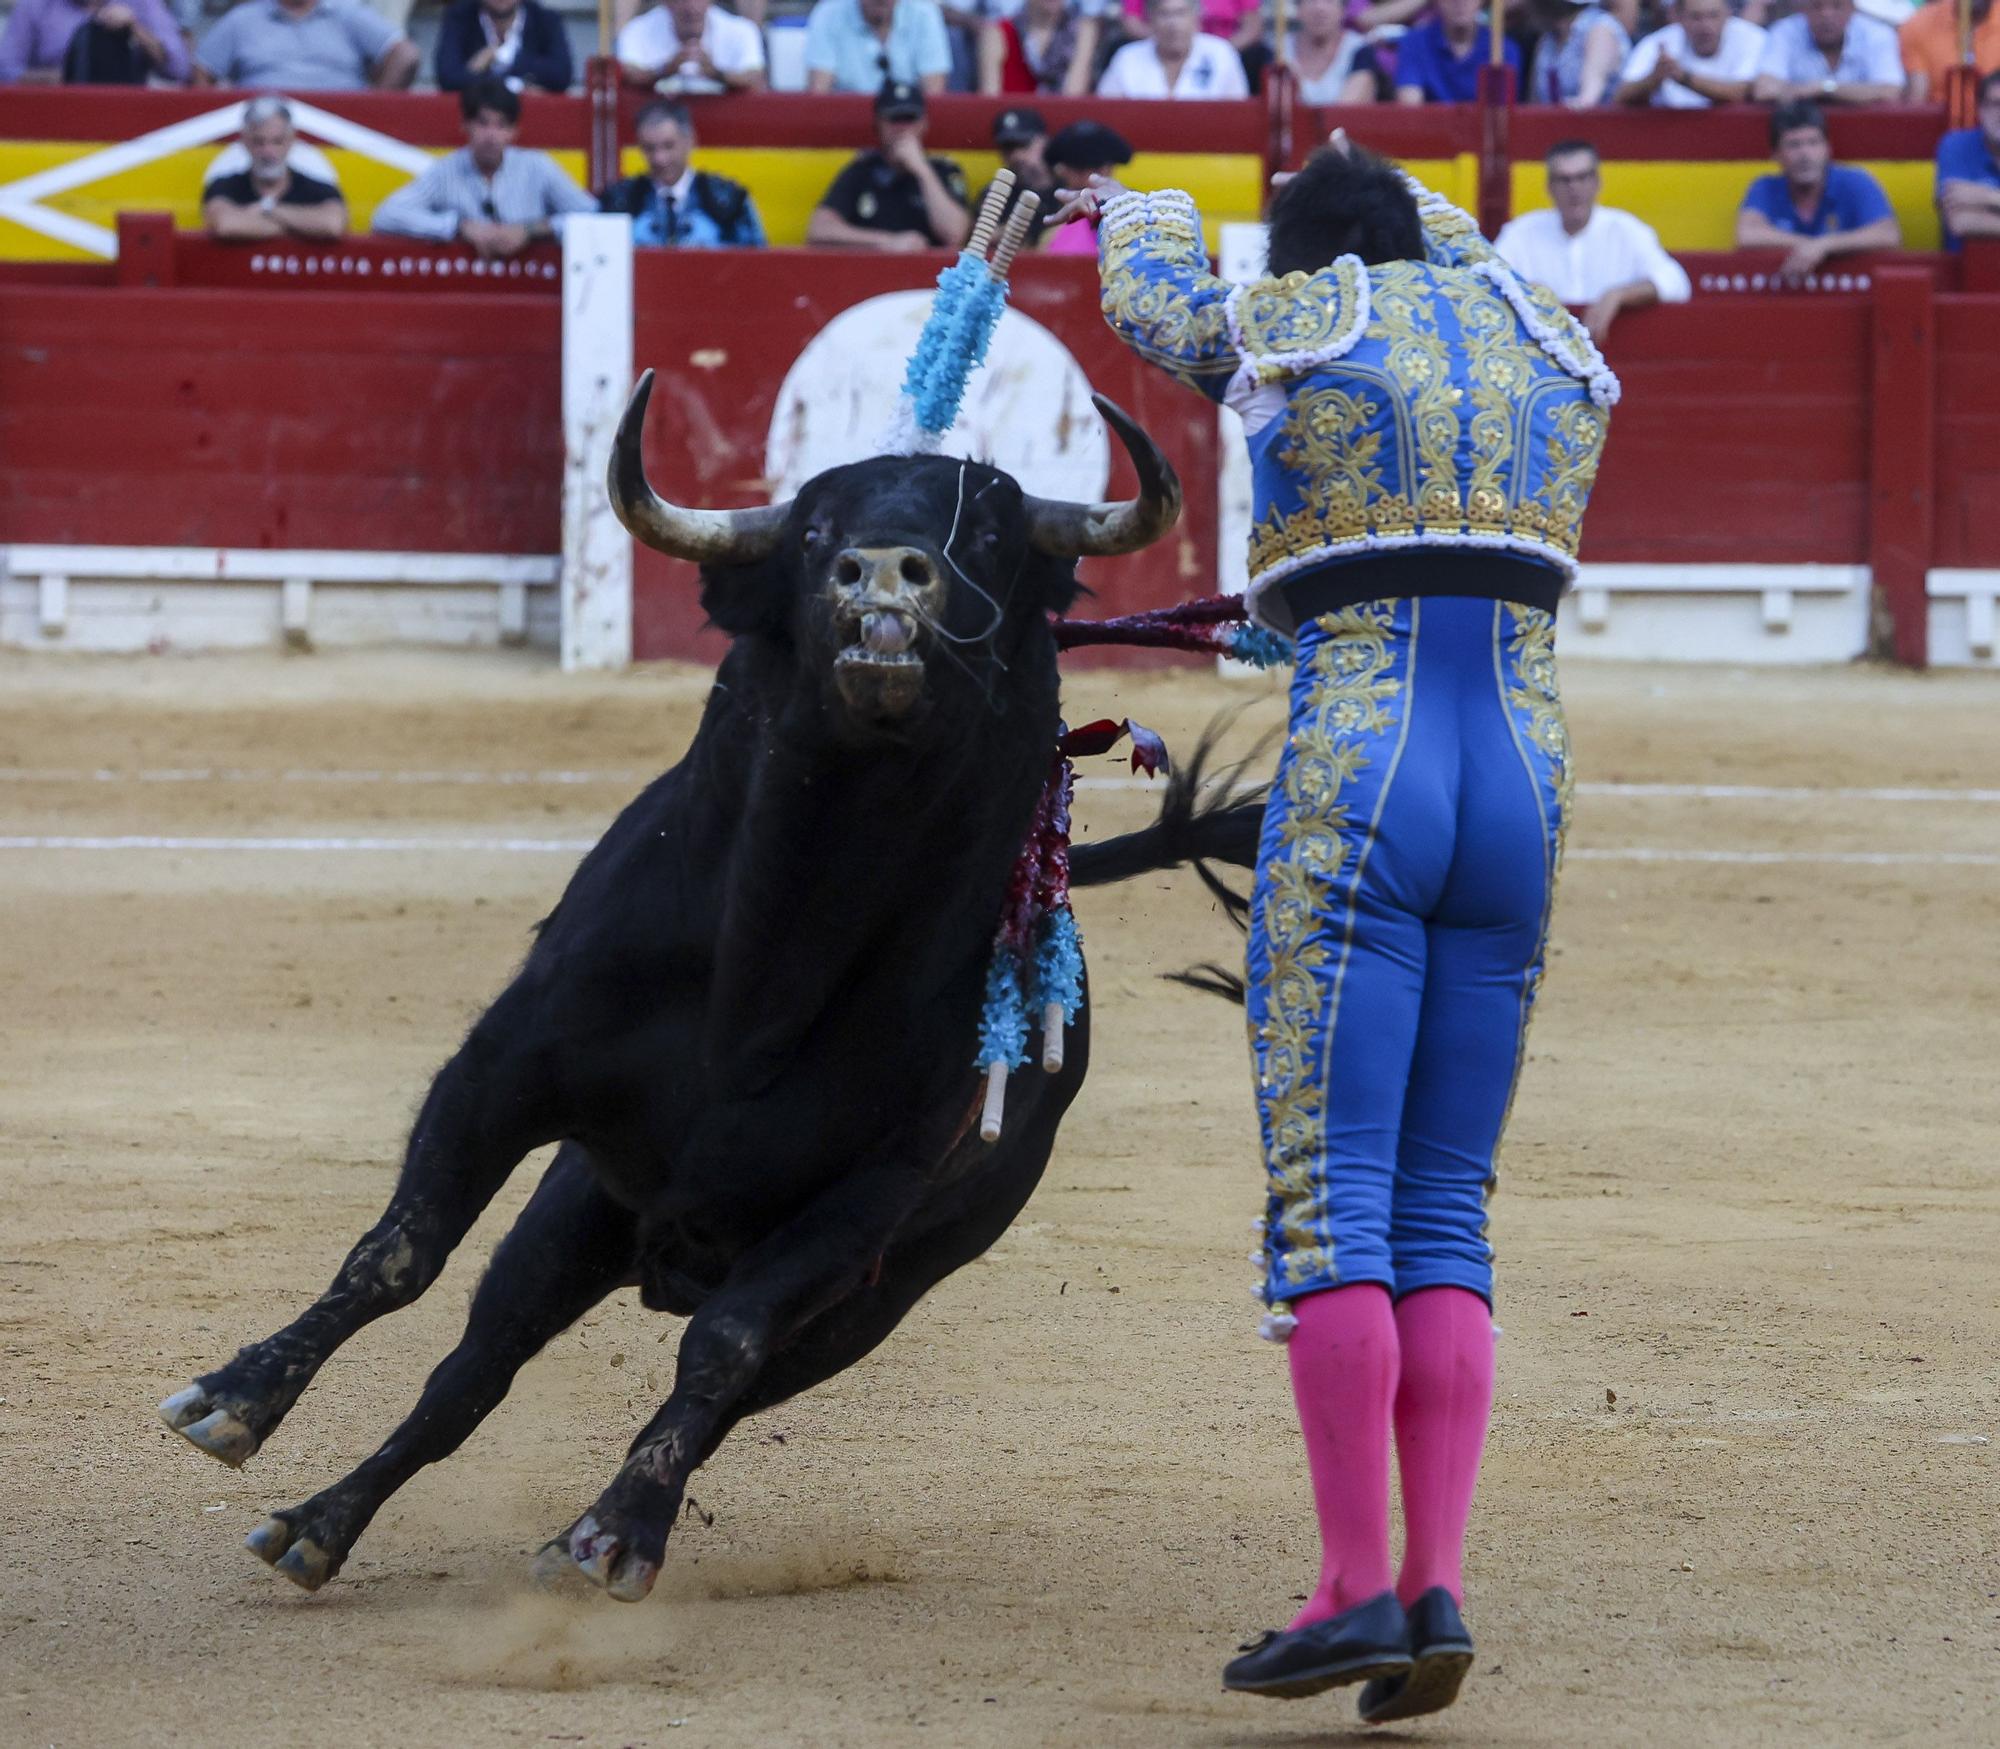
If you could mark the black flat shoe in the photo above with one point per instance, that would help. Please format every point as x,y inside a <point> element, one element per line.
<point>1443,1653</point>
<point>1367,1643</point>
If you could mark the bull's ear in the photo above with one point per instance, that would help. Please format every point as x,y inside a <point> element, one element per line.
<point>741,599</point>
<point>1053,582</point>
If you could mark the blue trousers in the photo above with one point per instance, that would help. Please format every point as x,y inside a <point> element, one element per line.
<point>1400,915</point>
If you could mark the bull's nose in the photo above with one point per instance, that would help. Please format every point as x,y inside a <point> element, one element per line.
<point>884,570</point>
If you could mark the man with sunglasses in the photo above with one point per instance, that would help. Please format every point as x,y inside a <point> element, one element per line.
<point>490,193</point>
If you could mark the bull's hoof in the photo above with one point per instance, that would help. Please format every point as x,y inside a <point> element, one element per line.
<point>279,1544</point>
<point>195,1416</point>
<point>623,1558</point>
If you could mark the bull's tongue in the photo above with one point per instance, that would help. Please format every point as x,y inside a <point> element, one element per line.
<point>885,634</point>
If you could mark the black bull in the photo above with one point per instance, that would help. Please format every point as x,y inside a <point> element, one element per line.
<point>750,1020</point>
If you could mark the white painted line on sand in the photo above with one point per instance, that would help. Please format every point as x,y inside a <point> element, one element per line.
<point>576,846</point>
<point>1753,792</point>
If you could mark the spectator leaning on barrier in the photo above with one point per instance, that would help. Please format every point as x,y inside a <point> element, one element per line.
<point>305,45</point>
<point>1177,60</point>
<point>1968,172</point>
<point>1595,257</point>
<point>123,42</point>
<point>489,193</point>
<point>1048,45</point>
<point>674,206</point>
<point>1816,208</point>
<point>1576,63</point>
<point>1333,64</point>
<point>269,197</point>
<point>1827,54</point>
<point>1020,136</point>
<point>893,198</point>
<point>854,45</point>
<point>1705,56</point>
<point>1929,42</point>
<point>1438,61</point>
<point>520,41</point>
<point>692,47</point>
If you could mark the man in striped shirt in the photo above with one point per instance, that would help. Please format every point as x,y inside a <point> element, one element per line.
<point>489,193</point>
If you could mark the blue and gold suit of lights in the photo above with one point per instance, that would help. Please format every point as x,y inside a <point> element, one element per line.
<point>1432,403</point>
<point>1409,853</point>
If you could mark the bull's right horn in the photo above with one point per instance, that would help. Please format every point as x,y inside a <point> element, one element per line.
<point>708,537</point>
<point>1082,531</point>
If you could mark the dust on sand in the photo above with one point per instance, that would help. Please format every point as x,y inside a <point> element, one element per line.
<point>1738,1488</point>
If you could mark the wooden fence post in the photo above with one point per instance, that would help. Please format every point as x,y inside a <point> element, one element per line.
<point>1902,462</point>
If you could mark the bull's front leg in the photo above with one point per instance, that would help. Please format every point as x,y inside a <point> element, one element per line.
<point>486,1110</point>
<point>775,1289</point>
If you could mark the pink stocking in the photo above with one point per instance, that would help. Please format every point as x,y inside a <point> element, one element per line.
<point>1343,1357</point>
<point>1442,1403</point>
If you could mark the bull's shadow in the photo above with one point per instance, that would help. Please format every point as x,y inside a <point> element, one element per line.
<point>750,1021</point>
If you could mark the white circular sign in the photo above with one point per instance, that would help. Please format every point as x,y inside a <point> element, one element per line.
<point>1027,409</point>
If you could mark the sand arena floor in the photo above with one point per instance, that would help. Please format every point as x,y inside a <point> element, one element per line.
<point>1739,1487</point>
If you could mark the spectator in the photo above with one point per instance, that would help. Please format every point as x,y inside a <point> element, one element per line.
<point>854,45</point>
<point>1816,208</point>
<point>305,45</point>
<point>1595,257</point>
<point>1705,56</point>
<point>1577,59</point>
<point>893,198</point>
<point>1438,61</point>
<point>1333,64</point>
<point>124,36</point>
<point>269,198</point>
<point>1049,45</point>
<point>1929,42</point>
<point>520,41</point>
<point>1080,151</point>
<point>1176,60</point>
<point>1020,136</point>
<point>489,193</point>
<point>234,158</point>
<point>1825,53</point>
<point>692,46</point>
<point>1968,172</point>
<point>673,206</point>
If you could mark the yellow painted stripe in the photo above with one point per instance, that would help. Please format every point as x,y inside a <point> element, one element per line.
<point>1693,205</point>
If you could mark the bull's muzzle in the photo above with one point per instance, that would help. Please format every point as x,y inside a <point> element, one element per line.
<point>881,596</point>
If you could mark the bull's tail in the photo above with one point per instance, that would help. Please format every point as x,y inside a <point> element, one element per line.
<point>1210,821</point>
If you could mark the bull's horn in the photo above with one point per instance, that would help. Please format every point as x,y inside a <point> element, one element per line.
<point>1084,531</point>
<point>708,537</point>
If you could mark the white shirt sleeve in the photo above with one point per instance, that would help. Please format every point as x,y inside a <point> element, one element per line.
<point>1228,79</point>
<point>1113,83</point>
<point>1668,276</point>
<point>1884,54</point>
<point>1645,56</point>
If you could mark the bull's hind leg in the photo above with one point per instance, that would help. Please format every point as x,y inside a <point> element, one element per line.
<point>571,1246</point>
<point>862,1295</point>
<point>486,1109</point>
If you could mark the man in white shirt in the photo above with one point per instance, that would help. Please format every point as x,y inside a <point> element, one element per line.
<point>1177,60</point>
<point>1707,55</point>
<point>1824,54</point>
<point>1592,257</point>
<point>692,47</point>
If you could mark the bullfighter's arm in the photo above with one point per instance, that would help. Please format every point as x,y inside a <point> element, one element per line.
<point>1221,339</point>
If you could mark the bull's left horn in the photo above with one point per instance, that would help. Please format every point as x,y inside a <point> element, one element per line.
<point>1085,531</point>
<point>708,537</point>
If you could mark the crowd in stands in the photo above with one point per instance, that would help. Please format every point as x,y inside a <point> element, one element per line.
<point>1578,53</point>
<point>498,198</point>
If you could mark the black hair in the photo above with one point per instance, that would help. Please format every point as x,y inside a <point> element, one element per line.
<point>493,94</point>
<point>1351,203</point>
<point>1563,148</point>
<point>1987,84</point>
<point>1800,114</point>
<point>664,109</point>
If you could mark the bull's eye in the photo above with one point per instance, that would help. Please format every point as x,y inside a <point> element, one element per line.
<point>811,539</point>
<point>990,540</point>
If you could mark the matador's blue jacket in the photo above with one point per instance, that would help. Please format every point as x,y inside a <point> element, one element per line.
<point>1441,402</point>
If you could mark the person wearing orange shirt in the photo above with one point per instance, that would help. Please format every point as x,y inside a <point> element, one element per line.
<point>1930,44</point>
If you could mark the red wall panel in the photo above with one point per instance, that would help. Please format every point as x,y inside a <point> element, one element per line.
<point>1742,437</point>
<point>1968,432</point>
<point>280,419</point>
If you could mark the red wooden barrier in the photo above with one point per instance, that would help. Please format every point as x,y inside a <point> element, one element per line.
<point>1904,425</point>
